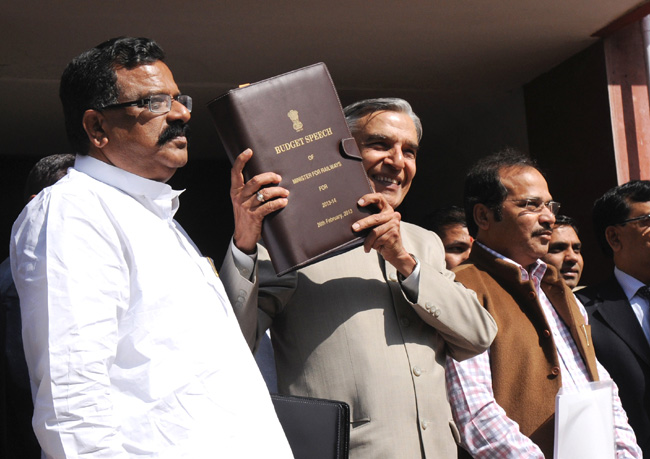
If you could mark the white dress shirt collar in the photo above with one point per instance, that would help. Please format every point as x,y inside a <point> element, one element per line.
<point>629,284</point>
<point>537,269</point>
<point>157,197</point>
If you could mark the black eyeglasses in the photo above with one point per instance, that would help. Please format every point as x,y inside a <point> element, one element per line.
<point>643,220</point>
<point>537,205</point>
<point>158,103</point>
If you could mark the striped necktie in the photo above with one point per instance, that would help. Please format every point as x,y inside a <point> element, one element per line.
<point>644,292</point>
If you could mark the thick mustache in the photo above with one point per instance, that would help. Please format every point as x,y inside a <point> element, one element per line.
<point>174,130</point>
<point>543,232</point>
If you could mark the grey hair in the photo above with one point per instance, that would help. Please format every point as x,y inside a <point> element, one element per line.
<point>354,112</point>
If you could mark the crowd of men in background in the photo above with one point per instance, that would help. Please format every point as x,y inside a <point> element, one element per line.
<point>135,346</point>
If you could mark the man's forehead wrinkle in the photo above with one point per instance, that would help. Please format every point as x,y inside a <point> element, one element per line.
<point>143,81</point>
<point>526,178</point>
<point>369,117</point>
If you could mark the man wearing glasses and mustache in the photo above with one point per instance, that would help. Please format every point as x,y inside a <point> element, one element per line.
<point>132,345</point>
<point>619,308</point>
<point>503,401</point>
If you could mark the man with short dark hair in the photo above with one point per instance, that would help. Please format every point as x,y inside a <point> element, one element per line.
<point>565,250</point>
<point>619,308</point>
<point>503,400</point>
<point>132,345</point>
<point>46,172</point>
<point>368,327</point>
<point>449,224</point>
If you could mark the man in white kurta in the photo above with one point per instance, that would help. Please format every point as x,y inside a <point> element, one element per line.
<point>132,345</point>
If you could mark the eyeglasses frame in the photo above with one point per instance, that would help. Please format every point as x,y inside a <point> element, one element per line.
<point>549,205</point>
<point>146,102</point>
<point>634,219</point>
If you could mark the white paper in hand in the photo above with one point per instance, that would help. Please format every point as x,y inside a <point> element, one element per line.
<point>584,423</point>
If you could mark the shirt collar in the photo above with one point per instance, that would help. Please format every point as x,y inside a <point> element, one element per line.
<point>537,271</point>
<point>629,284</point>
<point>158,197</point>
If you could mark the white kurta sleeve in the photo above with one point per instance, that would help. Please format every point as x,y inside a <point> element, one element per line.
<point>73,284</point>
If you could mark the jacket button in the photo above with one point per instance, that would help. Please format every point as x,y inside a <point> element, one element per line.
<point>547,333</point>
<point>417,371</point>
<point>532,295</point>
<point>404,321</point>
<point>555,371</point>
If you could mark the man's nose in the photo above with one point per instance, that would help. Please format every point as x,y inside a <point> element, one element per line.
<point>547,216</point>
<point>395,157</point>
<point>179,112</point>
<point>571,255</point>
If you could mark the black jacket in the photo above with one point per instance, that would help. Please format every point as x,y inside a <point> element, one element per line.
<point>622,348</point>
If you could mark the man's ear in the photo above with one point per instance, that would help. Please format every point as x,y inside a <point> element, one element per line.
<point>611,234</point>
<point>93,123</point>
<point>481,215</point>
